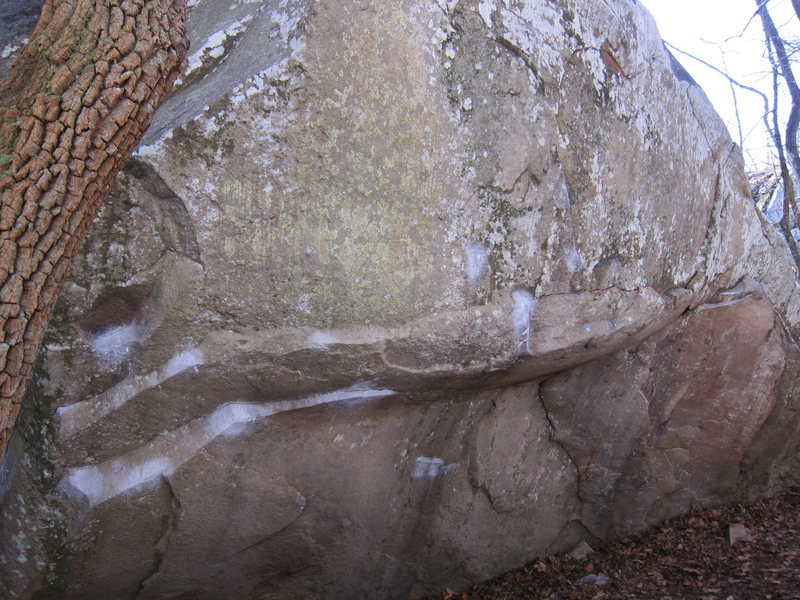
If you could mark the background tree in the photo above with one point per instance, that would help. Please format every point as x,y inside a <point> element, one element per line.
<point>76,102</point>
<point>786,143</point>
<point>776,87</point>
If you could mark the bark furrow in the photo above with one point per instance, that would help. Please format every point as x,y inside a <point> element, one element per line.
<point>75,103</point>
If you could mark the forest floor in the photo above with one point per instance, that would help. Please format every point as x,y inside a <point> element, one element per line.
<point>689,558</point>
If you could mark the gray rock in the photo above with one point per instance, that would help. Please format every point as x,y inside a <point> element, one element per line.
<point>18,18</point>
<point>396,296</point>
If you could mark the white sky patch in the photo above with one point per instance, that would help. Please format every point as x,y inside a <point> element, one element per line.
<point>115,344</point>
<point>707,30</point>
<point>524,303</point>
<point>161,456</point>
<point>476,261</point>
<point>75,417</point>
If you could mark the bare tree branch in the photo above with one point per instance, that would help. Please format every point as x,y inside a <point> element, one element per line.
<point>780,62</point>
<point>771,121</point>
<point>733,91</point>
<point>751,19</point>
<point>787,225</point>
<point>724,74</point>
<point>780,68</point>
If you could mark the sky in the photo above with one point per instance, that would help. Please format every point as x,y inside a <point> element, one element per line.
<point>718,32</point>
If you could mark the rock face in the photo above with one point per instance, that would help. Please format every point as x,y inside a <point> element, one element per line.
<point>399,295</point>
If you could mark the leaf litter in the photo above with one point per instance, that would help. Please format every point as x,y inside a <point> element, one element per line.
<point>740,552</point>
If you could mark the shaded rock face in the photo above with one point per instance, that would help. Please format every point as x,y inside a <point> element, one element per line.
<point>396,296</point>
<point>19,18</point>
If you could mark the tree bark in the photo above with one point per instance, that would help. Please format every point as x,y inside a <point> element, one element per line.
<point>796,6</point>
<point>76,102</point>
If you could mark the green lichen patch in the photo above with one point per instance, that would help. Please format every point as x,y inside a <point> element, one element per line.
<point>367,167</point>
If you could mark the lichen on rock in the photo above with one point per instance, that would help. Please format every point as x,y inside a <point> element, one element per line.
<point>409,293</point>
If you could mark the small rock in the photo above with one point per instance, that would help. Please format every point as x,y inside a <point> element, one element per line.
<point>581,551</point>
<point>739,533</point>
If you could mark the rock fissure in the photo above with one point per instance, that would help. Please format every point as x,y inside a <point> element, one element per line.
<point>525,57</point>
<point>553,437</point>
<point>276,533</point>
<point>162,545</point>
<point>787,331</point>
<point>690,103</point>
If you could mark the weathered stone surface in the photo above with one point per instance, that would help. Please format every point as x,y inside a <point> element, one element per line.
<point>399,295</point>
<point>19,18</point>
<point>694,398</point>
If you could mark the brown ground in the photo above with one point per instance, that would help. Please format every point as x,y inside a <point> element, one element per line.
<point>687,558</point>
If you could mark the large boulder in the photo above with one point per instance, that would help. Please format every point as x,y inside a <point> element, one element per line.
<point>399,295</point>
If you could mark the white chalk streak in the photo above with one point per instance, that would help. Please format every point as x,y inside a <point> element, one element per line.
<point>81,415</point>
<point>428,468</point>
<point>322,339</point>
<point>114,345</point>
<point>524,303</point>
<point>182,361</point>
<point>476,261</point>
<point>573,259</point>
<point>170,450</point>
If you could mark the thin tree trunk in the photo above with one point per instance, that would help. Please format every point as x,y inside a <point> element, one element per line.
<point>796,6</point>
<point>789,194</point>
<point>74,105</point>
<point>785,69</point>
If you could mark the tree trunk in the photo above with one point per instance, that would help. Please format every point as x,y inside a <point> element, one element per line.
<point>784,67</point>
<point>76,102</point>
<point>796,6</point>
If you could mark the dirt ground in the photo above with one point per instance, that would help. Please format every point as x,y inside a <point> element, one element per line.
<point>688,558</point>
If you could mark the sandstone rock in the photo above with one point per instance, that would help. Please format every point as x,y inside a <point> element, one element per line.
<point>399,295</point>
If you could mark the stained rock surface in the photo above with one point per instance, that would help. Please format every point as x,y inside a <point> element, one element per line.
<point>399,295</point>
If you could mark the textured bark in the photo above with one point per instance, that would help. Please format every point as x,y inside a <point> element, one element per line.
<point>74,105</point>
